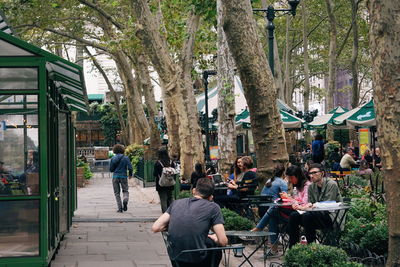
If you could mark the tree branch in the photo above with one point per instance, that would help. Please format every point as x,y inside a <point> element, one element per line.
<point>71,36</point>
<point>103,13</point>
<point>188,47</point>
<point>344,41</point>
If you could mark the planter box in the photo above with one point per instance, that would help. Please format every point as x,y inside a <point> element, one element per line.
<point>80,179</point>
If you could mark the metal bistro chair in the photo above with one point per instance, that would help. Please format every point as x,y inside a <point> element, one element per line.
<point>236,248</point>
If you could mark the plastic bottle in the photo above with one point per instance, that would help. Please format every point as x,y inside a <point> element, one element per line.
<point>303,240</point>
<point>294,194</point>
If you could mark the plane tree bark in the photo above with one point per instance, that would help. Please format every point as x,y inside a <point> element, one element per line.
<point>226,100</point>
<point>258,84</point>
<point>385,51</point>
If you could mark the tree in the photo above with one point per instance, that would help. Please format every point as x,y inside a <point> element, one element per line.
<point>226,100</point>
<point>332,55</point>
<point>258,84</point>
<point>385,51</point>
<point>176,81</point>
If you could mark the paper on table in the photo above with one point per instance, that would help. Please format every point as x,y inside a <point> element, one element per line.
<point>327,204</point>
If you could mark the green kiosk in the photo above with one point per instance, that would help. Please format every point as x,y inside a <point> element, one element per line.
<point>38,92</point>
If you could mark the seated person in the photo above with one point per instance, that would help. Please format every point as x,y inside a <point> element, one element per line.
<point>347,160</point>
<point>188,222</point>
<point>364,168</point>
<point>297,180</point>
<point>334,159</point>
<point>245,184</point>
<point>321,189</point>
<point>368,158</point>
<point>197,174</point>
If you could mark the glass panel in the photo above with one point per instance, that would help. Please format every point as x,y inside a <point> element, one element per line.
<point>18,101</point>
<point>19,153</point>
<point>7,49</point>
<point>19,228</point>
<point>63,171</point>
<point>19,78</point>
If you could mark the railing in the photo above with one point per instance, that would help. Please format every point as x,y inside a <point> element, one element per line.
<point>88,152</point>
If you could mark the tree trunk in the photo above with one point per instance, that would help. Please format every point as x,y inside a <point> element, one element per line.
<point>226,100</point>
<point>177,82</point>
<point>124,132</point>
<point>258,84</point>
<point>288,54</point>
<point>136,115</point>
<point>144,82</point>
<point>306,92</point>
<point>354,55</point>
<point>332,56</point>
<point>385,51</point>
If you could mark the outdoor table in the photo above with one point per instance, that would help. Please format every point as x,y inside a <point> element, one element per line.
<point>248,235</point>
<point>336,209</point>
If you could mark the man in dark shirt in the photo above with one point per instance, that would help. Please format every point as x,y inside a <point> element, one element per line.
<point>188,222</point>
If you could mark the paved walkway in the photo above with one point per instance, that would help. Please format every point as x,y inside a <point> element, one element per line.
<point>101,237</point>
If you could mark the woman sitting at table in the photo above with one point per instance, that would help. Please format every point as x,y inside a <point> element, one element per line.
<point>241,186</point>
<point>299,197</point>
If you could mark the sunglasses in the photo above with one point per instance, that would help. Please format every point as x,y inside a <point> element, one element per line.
<point>311,173</point>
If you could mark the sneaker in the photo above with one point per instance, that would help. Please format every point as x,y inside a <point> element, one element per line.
<point>271,254</point>
<point>120,211</point>
<point>125,205</point>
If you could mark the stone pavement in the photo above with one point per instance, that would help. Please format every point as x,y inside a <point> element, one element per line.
<point>101,237</point>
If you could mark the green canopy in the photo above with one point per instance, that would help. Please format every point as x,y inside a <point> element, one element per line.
<point>322,121</point>
<point>363,115</point>
<point>289,121</point>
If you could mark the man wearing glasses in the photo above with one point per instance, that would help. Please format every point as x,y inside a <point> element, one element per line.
<point>321,189</point>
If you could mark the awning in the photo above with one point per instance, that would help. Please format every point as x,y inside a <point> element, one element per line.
<point>289,121</point>
<point>324,120</point>
<point>363,115</point>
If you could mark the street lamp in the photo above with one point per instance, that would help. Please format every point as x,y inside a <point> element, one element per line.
<point>207,73</point>
<point>270,15</point>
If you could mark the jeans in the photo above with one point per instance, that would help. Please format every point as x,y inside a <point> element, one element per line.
<point>271,217</point>
<point>311,221</point>
<point>119,183</point>
<point>165,199</point>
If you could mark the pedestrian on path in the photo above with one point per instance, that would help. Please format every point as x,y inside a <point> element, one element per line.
<point>120,165</point>
<point>164,192</point>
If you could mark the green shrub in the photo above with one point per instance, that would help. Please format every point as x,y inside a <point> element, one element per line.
<point>315,255</point>
<point>134,153</point>
<point>376,240</point>
<point>184,194</point>
<point>235,222</point>
<point>87,172</point>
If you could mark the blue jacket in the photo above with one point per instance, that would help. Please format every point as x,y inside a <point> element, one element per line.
<point>119,165</point>
<point>277,186</point>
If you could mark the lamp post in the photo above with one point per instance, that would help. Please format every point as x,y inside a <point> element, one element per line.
<point>270,15</point>
<point>207,73</point>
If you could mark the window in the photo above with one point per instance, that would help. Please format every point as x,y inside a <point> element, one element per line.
<point>19,228</point>
<point>19,145</point>
<point>18,78</point>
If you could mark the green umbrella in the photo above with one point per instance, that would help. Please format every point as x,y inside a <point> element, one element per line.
<point>363,115</point>
<point>322,121</point>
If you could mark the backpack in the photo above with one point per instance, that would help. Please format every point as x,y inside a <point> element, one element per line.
<point>167,177</point>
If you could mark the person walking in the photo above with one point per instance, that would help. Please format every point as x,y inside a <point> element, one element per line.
<point>164,192</point>
<point>119,166</point>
